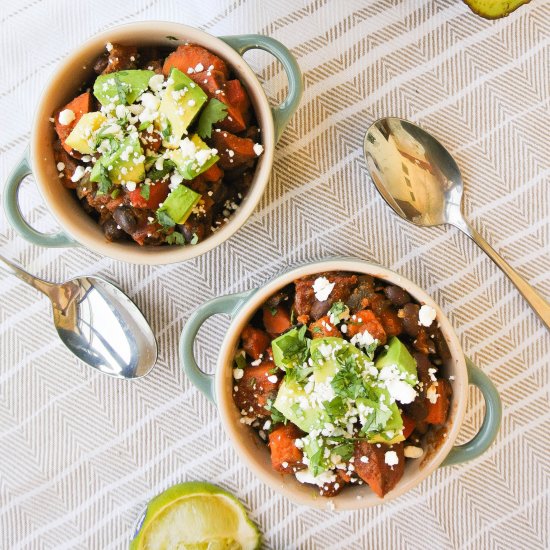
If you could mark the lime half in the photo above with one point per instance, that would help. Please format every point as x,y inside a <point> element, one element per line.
<point>195,516</point>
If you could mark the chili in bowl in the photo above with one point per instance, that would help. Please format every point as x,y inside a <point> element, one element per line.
<point>341,384</point>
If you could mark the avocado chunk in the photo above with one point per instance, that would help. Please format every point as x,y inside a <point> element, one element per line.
<point>193,157</point>
<point>178,205</point>
<point>494,9</point>
<point>181,103</point>
<point>381,419</point>
<point>288,403</point>
<point>290,350</point>
<point>122,87</point>
<point>81,137</point>
<point>125,164</point>
<point>397,354</point>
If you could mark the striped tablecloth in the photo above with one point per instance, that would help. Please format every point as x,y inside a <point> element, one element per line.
<point>81,453</point>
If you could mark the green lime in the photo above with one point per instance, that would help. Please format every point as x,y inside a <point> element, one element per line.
<point>195,516</point>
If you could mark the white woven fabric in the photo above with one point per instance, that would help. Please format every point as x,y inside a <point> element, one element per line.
<point>81,453</point>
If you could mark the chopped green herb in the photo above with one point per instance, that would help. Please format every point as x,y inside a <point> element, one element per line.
<point>345,451</point>
<point>155,175</point>
<point>145,191</point>
<point>240,361</point>
<point>317,330</point>
<point>215,111</point>
<point>120,90</point>
<point>194,239</point>
<point>144,125</point>
<point>336,407</point>
<point>338,310</point>
<point>276,415</point>
<point>116,193</point>
<point>252,381</point>
<point>164,219</point>
<point>292,317</point>
<point>166,130</point>
<point>273,311</point>
<point>291,349</point>
<point>175,238</point>
<point>104,184</point>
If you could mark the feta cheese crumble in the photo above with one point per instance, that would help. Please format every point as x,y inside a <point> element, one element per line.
<point>391,458</point>
<point>258,149</point>
<point>238,374</point>
<point>66,116</point>
<point>426,315</point>
<point>411,451</point>
<point>322,288</point>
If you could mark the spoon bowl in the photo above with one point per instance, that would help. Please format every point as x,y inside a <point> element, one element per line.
<point>422,183</point>
<point>99,324</point>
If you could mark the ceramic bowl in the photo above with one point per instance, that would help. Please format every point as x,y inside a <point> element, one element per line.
<point>77,227</point>
<point>218,388</point>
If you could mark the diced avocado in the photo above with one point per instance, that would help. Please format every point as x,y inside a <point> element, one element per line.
<point>124,164</point>
<point>290,349</point>
<point>397,354</point>
<point>193,157</point>
<point>179,203</point>
<point>80,136</point>
<point>122,87</point>
<point>287,402</point>
<point>181,103</point>
<point>325,367</point>
<point>495,9</point>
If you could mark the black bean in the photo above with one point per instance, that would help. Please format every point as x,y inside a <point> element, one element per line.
<point>112,231</point>
<point>126,218</point>
<point>397,295</point>
<point>409,314</point>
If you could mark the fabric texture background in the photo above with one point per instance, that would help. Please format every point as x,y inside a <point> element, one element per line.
<point>80,453</point>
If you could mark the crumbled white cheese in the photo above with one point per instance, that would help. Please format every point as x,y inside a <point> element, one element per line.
<point>397,388</point>
<point>109,47</point>
<point>66,116</point>
<point>78,173</point>
<point>322,288</point>
<point>391,458</point>
<point>284,464</point>
<point>426,315</point>
<point>363,339</point>
<point>175,179</point>
<point>272,378</point>
<point>432,394</point>
<point>61,166</point>
<point>131,185</point>
<point>199,68</point>
<point>306,476</point>
<point>411,451</point>
<point>258,149</point>
<point>238,374</point>
<point>364,459</point>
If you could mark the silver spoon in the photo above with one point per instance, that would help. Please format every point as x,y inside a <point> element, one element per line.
<point>98,323</point>
<point>421,181</point>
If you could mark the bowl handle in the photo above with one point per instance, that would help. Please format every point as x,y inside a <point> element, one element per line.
<point>491,423</point>
<point>283,112</point>
<point>229,305</point>
<point>13,212</point>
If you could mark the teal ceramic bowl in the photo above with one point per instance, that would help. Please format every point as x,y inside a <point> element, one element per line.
<point>79,229</point>
<point>218,389</point>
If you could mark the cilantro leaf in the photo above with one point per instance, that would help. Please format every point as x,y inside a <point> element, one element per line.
<point>277,416</point>
<point>240,361</point>
<point>120,90</point>
<point>194,239</point>
<point>145,191</point>
<point>291,349</point>
<point>167,129</point>
<point>338,310</point>
<point>144,125</point>
<point>345,451</point>
<point>336,407</point>
<point>175,238</point>
<point>164,219</point>
<point>155,175</point>
<point>104,184</point>
<point>215,111</point>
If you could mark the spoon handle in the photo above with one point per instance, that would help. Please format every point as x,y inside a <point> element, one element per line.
<point>35,282</point>
<point>539,305</point>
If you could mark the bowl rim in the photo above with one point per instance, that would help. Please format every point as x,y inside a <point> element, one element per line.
<point>41,157</point>
<point>229,414</point>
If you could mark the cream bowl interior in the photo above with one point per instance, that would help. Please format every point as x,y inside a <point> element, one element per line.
<point>256,454</point>
<point>76,69</point>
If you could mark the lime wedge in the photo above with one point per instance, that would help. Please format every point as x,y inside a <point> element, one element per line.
<point>195,516</point>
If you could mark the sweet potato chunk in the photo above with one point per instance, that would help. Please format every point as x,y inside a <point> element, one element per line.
<point>254,341</point>
<point>232,150</point>
<point>371,466</point>
<point>285,456</point>
<point>276,319</point>
<point>255,388</point>
<point>393,326</point>
<point>323,328</point>
<point>437,412</point>
<point>79,106</point>
<point>191,56</point>
<point>366,320</point>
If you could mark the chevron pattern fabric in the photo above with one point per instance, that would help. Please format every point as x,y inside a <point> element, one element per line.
<point>80,453</point>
